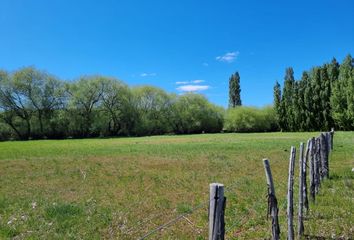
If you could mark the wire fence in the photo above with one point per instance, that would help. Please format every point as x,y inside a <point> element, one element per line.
<point>238,221</point>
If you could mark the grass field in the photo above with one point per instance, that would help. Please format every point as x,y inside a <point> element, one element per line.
<point>122,188</point>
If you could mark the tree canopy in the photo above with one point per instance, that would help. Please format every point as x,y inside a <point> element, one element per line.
<point>35,104</point>
<point>321,99</point>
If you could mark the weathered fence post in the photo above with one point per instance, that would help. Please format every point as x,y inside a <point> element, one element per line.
<point>324,157</point>
<point>328,138</point>
<point>328,150</point>
<point>317,165</point>
<point>216,212</point>
<point>301,191</point>
<point>312,168</point>
<point>272,201</point>
<point>305,161</point>
<point>332,135</point>
<point>290,197</point>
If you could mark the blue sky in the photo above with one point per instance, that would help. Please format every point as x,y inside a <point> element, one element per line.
<point>177,45</point>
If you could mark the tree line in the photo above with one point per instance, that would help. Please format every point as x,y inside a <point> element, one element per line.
<point>38,105</point>
<point>321,99</point>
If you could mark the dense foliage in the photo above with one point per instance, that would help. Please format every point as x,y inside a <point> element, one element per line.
<point>250,119</point>
<point>35,104</point>
<point>321,99</point>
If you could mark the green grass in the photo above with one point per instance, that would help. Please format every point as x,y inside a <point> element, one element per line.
<point>122,188</point>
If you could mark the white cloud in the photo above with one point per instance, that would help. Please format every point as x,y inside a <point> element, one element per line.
<point>193,88</point>
<point>148,75</point>
<point>197,81</point>
<point>189,82</point>
<point>181,83</point>
<point>228,57</point>
<point>205,64</point>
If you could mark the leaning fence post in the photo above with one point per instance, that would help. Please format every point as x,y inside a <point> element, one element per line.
<point>272,201</point>
<point>301,190</point>
<point>290,197</point>
<point>216,212</point>
<point>312,168</point>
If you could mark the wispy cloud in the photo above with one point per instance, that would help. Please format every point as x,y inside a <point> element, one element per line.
<point>148,74</point>
<point>182,83</point>
<point>228,57</point>
<point>205,64</point>
<point>193,88</point>
<point>197,81</point>
<point>188,82</point>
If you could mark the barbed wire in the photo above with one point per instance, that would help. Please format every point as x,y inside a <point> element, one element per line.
<point>244,217</point>
<point>228,188</point>
<point>173,221</point>
<point>179,217</point>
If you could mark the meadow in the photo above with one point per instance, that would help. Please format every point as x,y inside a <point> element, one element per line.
<point>122,188</point>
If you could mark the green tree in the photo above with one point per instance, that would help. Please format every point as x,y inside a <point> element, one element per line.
<point>308,102</point>
<point>333,70</point>
<point>287,102</point>
<point>116,105</point>
<point>85,95</point>
<point>278,105</point>
<point>341,100</point>
<point>44,94</point>
<point>316,98</point>
<point>234,90</point>
<point>250,119</point>
<point>154,107</point>
<point>16,107</point>
<point>296,108</point>
<point>301,105</point>
<point>192,113</point>
<point>350,99</point>
<point>325,99</point>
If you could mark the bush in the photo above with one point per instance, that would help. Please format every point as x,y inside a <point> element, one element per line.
<point>194,114</point>
<point>250,119</point>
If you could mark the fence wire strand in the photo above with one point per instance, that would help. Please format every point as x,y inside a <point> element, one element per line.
<point>173,221</point>
<point>281,185</point>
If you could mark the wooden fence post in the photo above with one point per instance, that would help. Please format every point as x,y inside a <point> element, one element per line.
<point>324,157</point>
<point>328,138</point>
<point>216,212</point>
<point>305,161</point>
<point>272,201</point>
<point>301,191</point>
<point>317,165</point>
<point>312,168</point>
<point>332,135</point>
<point>290,196</point>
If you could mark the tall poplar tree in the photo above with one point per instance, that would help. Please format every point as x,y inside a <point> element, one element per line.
<point>341,98</point>
<point>333,70</point>
<point>295,107</point>
<point>301,105</point>
<point>316,97</point>
<point>277,104</point>
<point>325,99</point>
<point>308,102</point>
<point>287,102</point>
<point>234,90</point>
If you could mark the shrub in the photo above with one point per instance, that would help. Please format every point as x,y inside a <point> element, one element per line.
<point>250,119</point>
